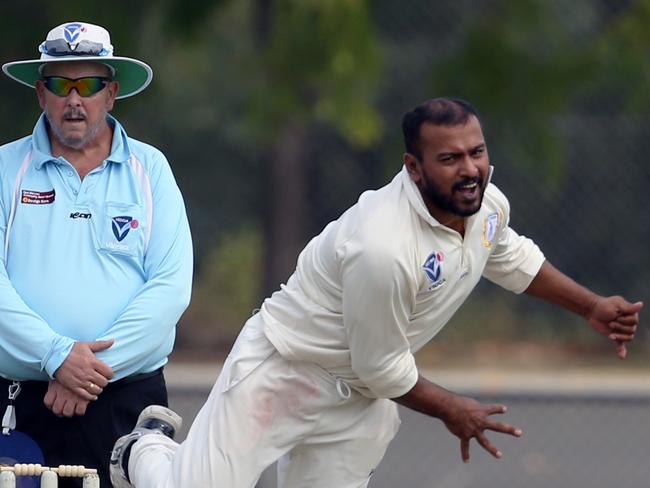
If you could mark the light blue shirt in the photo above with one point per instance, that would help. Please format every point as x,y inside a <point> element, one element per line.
<point>109,256</point>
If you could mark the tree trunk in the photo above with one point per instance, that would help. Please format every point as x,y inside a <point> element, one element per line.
<point>285,211</point>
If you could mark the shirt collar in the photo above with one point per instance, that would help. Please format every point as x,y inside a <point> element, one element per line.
<point>415,197</point>
<point>42,149</point>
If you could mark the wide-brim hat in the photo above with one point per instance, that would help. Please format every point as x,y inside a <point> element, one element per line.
<point>79,41</point>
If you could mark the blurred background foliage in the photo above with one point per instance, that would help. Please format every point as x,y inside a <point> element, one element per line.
<point>276,114</point>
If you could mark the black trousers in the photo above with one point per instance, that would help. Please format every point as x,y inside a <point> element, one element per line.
<point>86,440</point>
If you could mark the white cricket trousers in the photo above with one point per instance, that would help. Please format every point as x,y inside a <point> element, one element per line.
<point>263,409</point>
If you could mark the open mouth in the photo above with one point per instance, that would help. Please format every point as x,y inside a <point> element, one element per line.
<point>468,189</point>
<point>74,116</point>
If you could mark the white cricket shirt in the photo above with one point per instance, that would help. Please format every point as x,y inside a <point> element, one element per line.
<point>378,283</point>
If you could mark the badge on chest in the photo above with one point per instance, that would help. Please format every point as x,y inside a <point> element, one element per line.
<point>433,269</point>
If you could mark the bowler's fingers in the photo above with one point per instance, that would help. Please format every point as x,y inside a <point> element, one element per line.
<point>501,427</point>
<point>630,320</point>
<point>464,450</point>
<point>505,428</point>
<point>482,439</point>
<point>485,443</point>
<point>488,446</point>
<point>621,333</point>
<point>631,308</point>
<point>495,408</point>
<point>621,337</point>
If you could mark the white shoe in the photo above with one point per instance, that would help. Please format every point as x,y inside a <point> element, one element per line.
<point>152,420</point>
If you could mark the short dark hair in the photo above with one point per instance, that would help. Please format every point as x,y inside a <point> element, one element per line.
<point>437,111</point>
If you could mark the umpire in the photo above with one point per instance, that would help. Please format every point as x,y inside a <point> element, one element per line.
<point>97,261</point>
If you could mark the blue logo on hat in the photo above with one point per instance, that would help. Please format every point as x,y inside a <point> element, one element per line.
<point>71,32</point>
<point>122,225</point>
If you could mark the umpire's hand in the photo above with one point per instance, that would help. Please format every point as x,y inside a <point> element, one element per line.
<point>82,373</point>
<point>62,402</point>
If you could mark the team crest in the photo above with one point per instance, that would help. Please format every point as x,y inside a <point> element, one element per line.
<point>122,225</point>
<point>433,269</point>
<point>490,226</point>
<point>71,33</point>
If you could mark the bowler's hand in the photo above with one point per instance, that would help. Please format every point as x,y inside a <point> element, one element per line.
<point>62,401</point>
<point>467,418</point>
<point>82,373</point>
<point>617,319</point>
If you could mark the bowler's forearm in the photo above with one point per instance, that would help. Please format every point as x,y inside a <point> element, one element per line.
<point>552,285</point>
<point>427,398</point>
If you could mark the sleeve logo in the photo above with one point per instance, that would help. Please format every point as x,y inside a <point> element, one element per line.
<point>490,226</point>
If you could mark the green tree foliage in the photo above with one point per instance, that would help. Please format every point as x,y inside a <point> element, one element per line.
<point>254,80</point>
<point>225,292</point>
<point>621,48</point>
<point>521,67</point>
<point>319,62</point>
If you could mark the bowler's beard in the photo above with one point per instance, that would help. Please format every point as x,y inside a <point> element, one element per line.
<point>74,142</point>
<point>435,196</point>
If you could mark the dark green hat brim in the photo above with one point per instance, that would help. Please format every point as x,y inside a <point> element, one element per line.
<point>133,75</point>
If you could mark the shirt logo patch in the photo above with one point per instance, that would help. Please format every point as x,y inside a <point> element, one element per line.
<point>122,225</point>
<point>31,197</point>
<point>433,269</point>
<point>490,226</point>
<point>80,215</point>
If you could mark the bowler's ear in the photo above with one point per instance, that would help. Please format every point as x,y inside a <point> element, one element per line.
<point>412,166</point>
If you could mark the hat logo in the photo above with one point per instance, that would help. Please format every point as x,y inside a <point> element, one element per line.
<point>71,32</point>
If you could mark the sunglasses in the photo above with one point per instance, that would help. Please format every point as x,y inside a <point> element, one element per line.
<point>60,47</point>
<point>86,86</point>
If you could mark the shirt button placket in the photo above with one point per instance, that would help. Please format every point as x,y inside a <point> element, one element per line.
<point>74,185</point>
